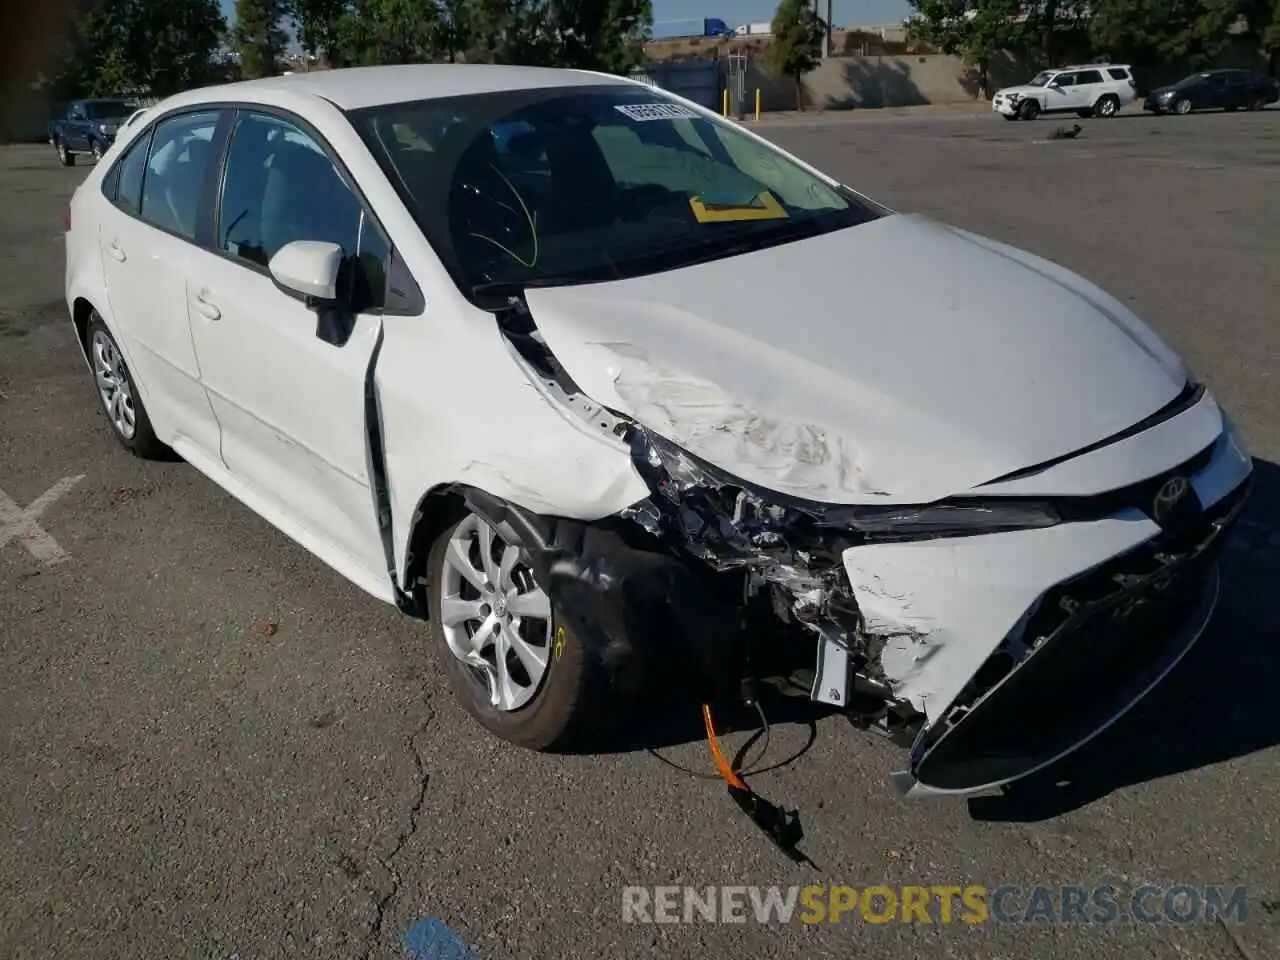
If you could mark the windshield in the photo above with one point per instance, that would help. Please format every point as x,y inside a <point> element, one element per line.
<point>1041,79</point>
<point>556,186</point>
<point>107,109</point>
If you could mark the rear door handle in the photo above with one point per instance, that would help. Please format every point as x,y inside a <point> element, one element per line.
<point>116,251</point>
<point>200,302</point>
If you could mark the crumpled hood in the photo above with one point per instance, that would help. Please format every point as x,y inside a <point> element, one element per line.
<point>900,360</point>
<point>1025,90</point>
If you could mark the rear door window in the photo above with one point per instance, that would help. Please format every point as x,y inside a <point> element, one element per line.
<point>1089,76</point>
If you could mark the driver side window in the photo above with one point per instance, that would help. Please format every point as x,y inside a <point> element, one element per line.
<point>1065,80</point>
<point>281,186</point>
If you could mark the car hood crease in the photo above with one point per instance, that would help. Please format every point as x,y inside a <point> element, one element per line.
<point>897,361</point>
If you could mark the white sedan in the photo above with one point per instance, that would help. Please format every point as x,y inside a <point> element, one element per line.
<point>568,367</point>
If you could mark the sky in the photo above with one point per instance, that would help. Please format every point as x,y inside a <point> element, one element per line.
<point>685,16</point>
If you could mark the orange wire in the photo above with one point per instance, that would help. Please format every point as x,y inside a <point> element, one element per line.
<point>717,755</point>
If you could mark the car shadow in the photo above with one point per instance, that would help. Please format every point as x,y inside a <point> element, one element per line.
<point>1217,705</point>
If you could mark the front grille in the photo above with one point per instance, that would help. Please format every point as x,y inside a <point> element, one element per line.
<point>1097,641</point>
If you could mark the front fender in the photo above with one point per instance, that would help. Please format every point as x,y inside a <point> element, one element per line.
<point>458,409</point>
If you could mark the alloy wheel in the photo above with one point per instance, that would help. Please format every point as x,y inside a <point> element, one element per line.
<point>495,617</point>
<point>114,386</point>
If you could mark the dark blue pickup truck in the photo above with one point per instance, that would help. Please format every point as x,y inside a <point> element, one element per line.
<point>90,126</point>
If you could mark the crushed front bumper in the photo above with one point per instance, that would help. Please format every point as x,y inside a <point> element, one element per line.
<point>1020,647</point>
<point>1004,105</point>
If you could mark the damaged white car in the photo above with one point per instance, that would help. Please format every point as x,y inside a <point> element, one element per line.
<point>591,379</point>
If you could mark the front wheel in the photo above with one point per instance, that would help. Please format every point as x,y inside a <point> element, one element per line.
<point>1182,107</point>
<point>517,668</point>
<point>65,156</point>
<point>119,395</point>
<point>1029,110</point>
<point>96,148</point>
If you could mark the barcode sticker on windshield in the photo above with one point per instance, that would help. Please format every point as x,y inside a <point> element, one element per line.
<point>656,111</point>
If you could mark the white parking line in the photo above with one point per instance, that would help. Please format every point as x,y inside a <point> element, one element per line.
<point>16,522</point>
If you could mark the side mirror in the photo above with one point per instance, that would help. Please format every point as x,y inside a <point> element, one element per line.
<point>308,271</point>
<point>1054,85</point>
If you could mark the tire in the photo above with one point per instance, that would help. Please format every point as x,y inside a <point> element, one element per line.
<point>1107,106</point>
<point>65,156</point>
<point>1009,116</point>
<point>96,147</point>
<point>1182,107</point>
<point>107,364</point>
<point>573,704</point>
<point>1258,104</point>
<point>1028,109</point>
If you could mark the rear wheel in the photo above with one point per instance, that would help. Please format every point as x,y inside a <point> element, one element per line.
<point>119,395</point>
<point>1259,103</point>
<point>65,156</point>
<point>517,668</point>
<point>1029,110</point>
<point>1107,106</point>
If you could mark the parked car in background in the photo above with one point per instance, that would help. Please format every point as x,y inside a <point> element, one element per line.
<point>559,364</point>
<point>1091,90</point>
<point>90,126</point>
<point>1214,90</point>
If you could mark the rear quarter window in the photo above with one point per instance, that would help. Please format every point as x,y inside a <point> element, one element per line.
<point>1118,73</point>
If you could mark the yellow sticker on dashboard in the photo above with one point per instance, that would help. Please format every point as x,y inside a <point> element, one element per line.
<point>761,207</point>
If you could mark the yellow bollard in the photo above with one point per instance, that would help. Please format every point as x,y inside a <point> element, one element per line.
<point>757,103</point>
<point>725,110</point>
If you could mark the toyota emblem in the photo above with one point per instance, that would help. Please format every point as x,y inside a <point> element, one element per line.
<point>1170,498</point>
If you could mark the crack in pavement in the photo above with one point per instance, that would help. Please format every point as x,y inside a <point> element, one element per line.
<point>378,932</point>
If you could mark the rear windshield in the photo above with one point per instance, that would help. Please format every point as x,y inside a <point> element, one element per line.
<point>581,184</point>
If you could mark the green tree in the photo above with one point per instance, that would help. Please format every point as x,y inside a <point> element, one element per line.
<point>157,46</point>
<point>605,35</point>
<point>1157,31</point>
<point>316,25</point>
<point>388,31</point>
<point>259,37</point>
<point>1263,20</point>
<point>796,49</point>
<point>975,30</point>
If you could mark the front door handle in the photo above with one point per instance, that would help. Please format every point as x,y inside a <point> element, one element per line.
<point>200,302</point>
<point>116,251</point>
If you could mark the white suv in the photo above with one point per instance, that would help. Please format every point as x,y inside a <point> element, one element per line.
<point>1092,90</point>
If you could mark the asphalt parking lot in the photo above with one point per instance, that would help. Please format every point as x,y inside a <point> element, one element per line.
<point>212,746</point>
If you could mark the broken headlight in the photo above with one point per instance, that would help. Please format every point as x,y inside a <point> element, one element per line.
<point>683,479</point>
<point>955,518</point>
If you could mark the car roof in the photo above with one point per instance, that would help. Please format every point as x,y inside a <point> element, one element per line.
<point>1095,66</point>
<point>352,88</point>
